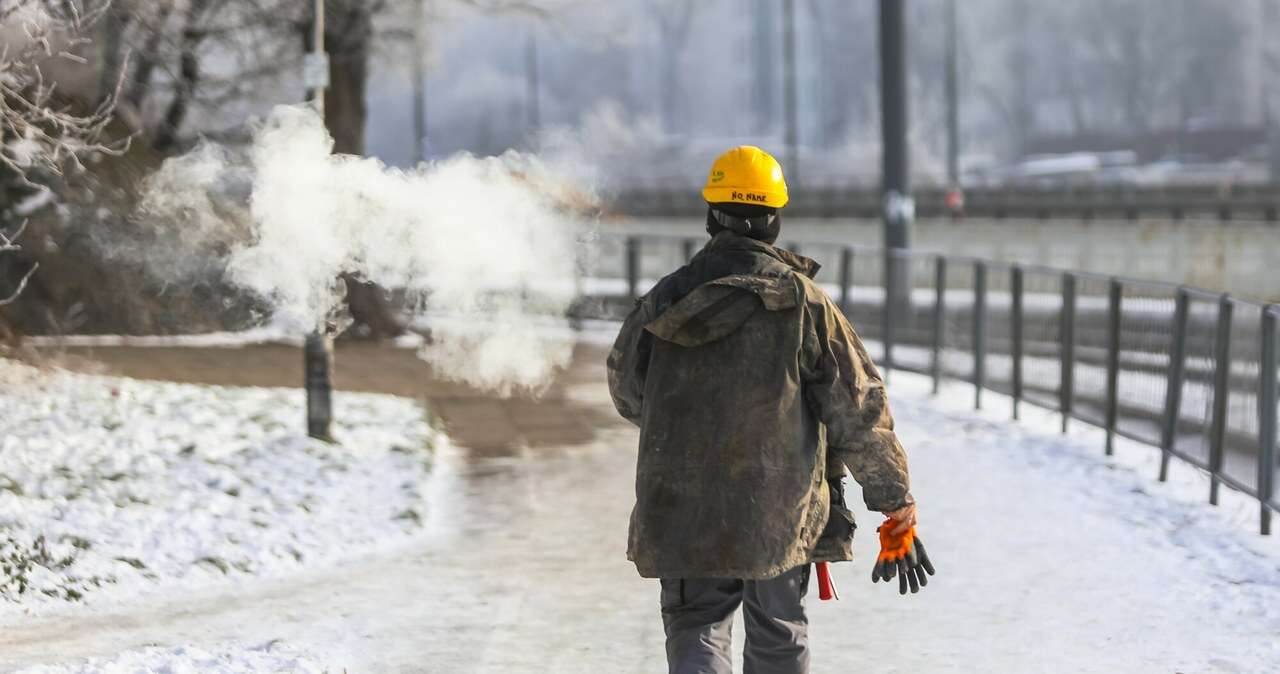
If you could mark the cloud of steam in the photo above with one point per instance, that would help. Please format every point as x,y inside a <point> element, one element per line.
<point>481,244</point>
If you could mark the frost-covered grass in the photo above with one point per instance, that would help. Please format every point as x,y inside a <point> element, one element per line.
<point>111,485</point>
<point>268,657</point>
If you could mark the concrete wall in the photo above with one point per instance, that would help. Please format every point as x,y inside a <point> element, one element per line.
<point>1242,258</point>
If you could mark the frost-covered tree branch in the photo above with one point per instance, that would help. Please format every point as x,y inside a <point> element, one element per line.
<point>38,132</point>
<point>7,245</point>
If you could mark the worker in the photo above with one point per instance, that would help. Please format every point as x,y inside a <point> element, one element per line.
<point>753,394</point>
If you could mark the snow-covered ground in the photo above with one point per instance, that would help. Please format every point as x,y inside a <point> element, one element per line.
<point>266,657</point>
<point>1051,558</point>
<point>111,488</point>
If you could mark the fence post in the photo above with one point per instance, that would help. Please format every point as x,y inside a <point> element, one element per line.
<point>891,294</point>
<point>1221,392</point>
<point>979,331</point>
<point>633,268</point>
<point>1114,294</point>
<point>939,318</point>
<point>1067,348</point>
<point>686,247</point>
<point>1176,378</point>
<point>846,277</point>
<point>1267,415</point>
<point>1015,333</point>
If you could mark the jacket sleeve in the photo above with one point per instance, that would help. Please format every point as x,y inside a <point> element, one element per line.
<point>628,362</point>
<point>845,391</point>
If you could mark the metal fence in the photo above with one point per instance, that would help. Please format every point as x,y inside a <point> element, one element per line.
<point>1189,371</point>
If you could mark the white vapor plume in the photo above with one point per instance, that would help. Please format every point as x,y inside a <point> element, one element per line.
<point>482,244</point>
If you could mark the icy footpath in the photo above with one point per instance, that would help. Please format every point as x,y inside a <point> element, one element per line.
<point>113,488</point>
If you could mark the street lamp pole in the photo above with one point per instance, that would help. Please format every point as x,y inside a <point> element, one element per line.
<point>789,95</point>
<point>318,350</point>
<point>953,99</point>
<point>419,83</point>
<point>899,208</point>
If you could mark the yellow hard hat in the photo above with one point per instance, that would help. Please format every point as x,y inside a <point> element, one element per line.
<point>746,175</point>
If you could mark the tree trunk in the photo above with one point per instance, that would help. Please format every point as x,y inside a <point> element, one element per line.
<point>141,80</point>
<point>113,27</point>
<point>188,78</point>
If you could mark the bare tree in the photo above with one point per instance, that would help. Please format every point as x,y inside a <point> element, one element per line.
<point>7,245</point>
<point>38,132</point>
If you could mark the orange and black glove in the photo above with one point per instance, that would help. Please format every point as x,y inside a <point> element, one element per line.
<point>902,555</point>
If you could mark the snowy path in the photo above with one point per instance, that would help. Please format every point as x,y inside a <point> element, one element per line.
<point>1049,559</point>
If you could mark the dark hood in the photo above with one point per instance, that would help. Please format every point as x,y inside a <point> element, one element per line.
<point>722,286</point>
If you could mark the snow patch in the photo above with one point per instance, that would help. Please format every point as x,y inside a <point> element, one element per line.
<point>111,486</point>
<point>269,657</point>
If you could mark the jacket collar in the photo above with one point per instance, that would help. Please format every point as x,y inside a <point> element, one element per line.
<point>727,240</point>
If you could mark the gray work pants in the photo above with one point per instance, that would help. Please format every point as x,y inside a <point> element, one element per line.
<point>698,614</point>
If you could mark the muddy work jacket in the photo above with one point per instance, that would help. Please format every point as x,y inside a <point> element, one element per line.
<point>753,395</point>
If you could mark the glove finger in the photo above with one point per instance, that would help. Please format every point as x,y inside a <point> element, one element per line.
<point>910,573</point>
<point>913,558</point>
<point>921,576</point>
<point>890,569</point>
<point>902,577</point>
<point>875,571</point>
<point>924,556</point>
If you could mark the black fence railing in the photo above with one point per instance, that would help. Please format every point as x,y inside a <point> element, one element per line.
<point>1189,371</point>
<point>1221,201</point>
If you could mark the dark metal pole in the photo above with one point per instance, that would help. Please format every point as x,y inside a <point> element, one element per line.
<point>1067,348</point>
<point>1176,379</point>
<point>1115,293</point>
<point>419,82</point>
<point>318,359</point>
<point>317,352</point>
<point>892,278</point>
<point>939,318</point>
<point>1221,393</point>
<point>633,268</point>
<point>1267,385</point>
<point>846,277</point>
<point>899,209</point>
<point>1015,333</point>
<point>791,116</point>
<point>953,97</point>
<point>979,331</point>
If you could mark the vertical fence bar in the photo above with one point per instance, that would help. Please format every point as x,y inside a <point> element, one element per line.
<point>979,331</point>
<point>633,268</point>
<point>687,248</point>
<point>1114,295</point>
<point>846,277</point>
<point>1221,392</point>
<point>939,318</point>
<point>1267,416</point>
<point>891,295</point>
<point>1067,347</point>
<point>1015,334</point>
<point>1176,377</point>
